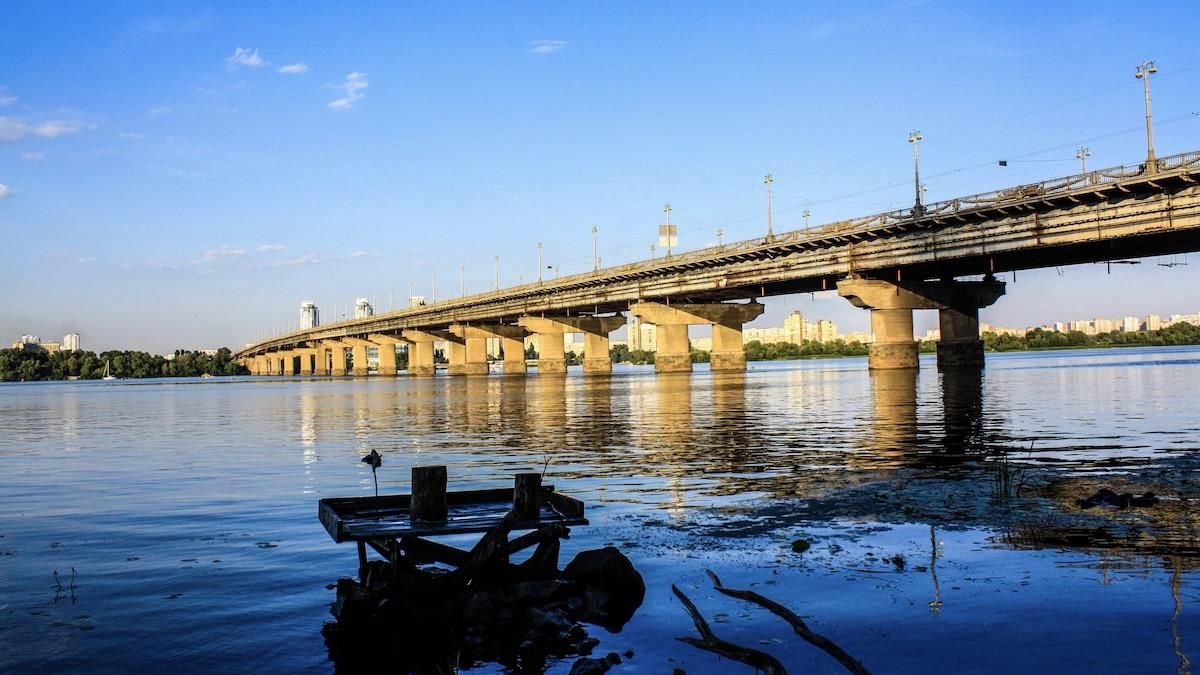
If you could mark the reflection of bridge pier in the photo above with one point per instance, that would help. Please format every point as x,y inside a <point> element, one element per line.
<point>894,397</point>
<point>962,410</point>
<point>892,304</point>
<point>671,332</point>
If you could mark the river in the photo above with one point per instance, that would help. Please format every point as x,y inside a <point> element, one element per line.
<point>170,525</point>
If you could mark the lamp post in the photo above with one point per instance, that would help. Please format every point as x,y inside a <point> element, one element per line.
<point>915,138</point>
<point>595,250</point>
<point>805,214</point>
<point>497,259</point>
<point>1143,73</point>
<point>653,248</point>
<point>539,246</point>
<point>435,287</point>
<point>768,179</point>
<point>462,284</point>
<point>667,210</point>
<point>720,233</point>
<point>1082,154</point>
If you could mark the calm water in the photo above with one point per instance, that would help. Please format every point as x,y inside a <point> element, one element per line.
<point>187,509</point>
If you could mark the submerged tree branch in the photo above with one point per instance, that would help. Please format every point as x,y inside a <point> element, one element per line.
<point>820,641</point>
<point>710,642</point>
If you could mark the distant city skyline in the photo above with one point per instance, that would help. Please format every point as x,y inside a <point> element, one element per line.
<point>181,177</point>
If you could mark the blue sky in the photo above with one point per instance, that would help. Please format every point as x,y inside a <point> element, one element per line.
<point>184,175</point>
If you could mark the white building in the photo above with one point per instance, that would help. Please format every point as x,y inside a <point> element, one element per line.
<point>1130,324</point>
<point>642,336</point>
<point>310,316</point>
<point>1153,322</point>
<point>795,328</point>
<point>70,342</point>
<point>824,331</point>
<point>363,308</point>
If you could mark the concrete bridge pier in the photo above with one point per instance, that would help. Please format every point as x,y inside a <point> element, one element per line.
<point>290,364</point>
<point>358,355</point>
<point>892,304</point>
<point>512,341</point>
<point>468,350</point>
<point>671,332</point>
<point>337,357</point>
<point>307,356</point>
<point>552,358</point>
<point>387,352</point>
<point>420,351</point>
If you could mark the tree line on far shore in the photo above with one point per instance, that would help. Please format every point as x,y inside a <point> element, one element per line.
<point>27,365</point>
<point>1181,333</point>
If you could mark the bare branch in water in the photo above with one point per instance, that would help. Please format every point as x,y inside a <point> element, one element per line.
<point>710,642</point>
<point>820,641</point>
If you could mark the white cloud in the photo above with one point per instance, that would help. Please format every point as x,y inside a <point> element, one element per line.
<point>12,129</point>
<point>5,191</point>
<point>158,110</point>
<point>131,136</point>
<point>6,99</point>
<point>271,248</point>
<point>352,87</point>
<point>244,57</point>
<point>543,47</point>
<point>33,156</point>
<point>86,259</point>
<point>294,69</point>
<point>222,251</point>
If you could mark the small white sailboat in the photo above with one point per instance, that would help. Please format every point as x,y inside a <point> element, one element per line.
<point>108,371</point>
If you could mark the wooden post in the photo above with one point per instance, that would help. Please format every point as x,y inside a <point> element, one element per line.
<point>429,493</point>
<point>527,490</point>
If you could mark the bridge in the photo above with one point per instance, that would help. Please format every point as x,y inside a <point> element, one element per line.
<point>890,264</point>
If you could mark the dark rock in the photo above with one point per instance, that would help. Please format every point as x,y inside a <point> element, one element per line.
<point>549,623</point>
<point>801,545</point>
<point>678,671</point>
<point>1106,497</point>
<point>613,589</point>
<point>542,592</point>
<point>590,666</point>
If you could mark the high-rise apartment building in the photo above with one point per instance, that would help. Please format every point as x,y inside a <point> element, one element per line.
<point>642,336</point>
<point>70,342</point>
<point>363,308</point>
<point>795,328</point>
<point>310,316</point>
<point>1153,322</point>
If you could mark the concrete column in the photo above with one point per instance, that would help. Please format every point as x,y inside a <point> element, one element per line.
<point>289,362</point>
<point>420,351</point>
<point>960,344</point>
<point>671,332</point>
<point>597,360</point>
<point>258,366</point>
<point>674,354</point>
<point>387,352</point>
<point>337,357</point>
<point>306,361</point>
<point>468,355</point>
<point>514,356</point>
<point>358,355</point>
<point>892,303</point>
<point>552,358</point>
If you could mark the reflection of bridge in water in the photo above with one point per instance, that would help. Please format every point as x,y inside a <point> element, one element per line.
<point>891,263</point>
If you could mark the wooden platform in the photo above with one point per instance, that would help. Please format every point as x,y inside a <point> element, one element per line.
<point>388,517</point>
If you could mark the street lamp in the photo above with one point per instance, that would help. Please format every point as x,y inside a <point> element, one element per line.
<point>805,214</point>
<point>497,259</point>
<point>435,287</point>
<point>720,233</point>
<point>1082,154</point>
<point>768,179</point>
<point>653,248</point>
<point>462,283</point>
<point>595,251</point>
<point>668,233</point>
<point>1143,73</point>
<point>539,262</point>
<point>915,138</point>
